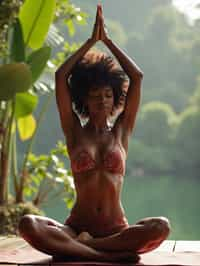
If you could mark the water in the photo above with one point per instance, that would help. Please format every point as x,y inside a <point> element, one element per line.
<point>175,198</point>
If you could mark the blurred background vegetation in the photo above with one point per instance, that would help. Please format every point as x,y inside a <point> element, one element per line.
<point>163,166</point>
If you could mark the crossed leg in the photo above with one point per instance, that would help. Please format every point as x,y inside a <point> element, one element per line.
<point>58,240</point>
<point>144,236</point>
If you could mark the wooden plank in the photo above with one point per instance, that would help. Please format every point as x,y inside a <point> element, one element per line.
<point>93,263</point>
<point>2,237</point>
<point>166,258</point>
<point>187,246</point>
<point>15,251</point>
<point>26,255</point>
<point>10,264</point>
<point>167,246</point>
<point>12,243</point>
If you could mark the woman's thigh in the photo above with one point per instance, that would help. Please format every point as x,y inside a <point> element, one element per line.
<point>161,223</point>
<point>156,230</point>
<point>35,224</point>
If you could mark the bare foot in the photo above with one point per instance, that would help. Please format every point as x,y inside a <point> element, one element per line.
<point>122,256</point>
<point>83,237</point>
<point>113,256</point>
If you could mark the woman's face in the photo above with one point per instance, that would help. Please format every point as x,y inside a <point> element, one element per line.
<point>100,101</point>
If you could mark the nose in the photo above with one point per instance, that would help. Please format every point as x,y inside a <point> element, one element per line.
<point>102,98</point>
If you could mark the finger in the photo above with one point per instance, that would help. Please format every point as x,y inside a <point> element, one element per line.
<point>98,33</point>
<point>97,22</point>
<point>101,15</point>
<point>99,10</point>
<point>99,6</point>
<point>101,20</point>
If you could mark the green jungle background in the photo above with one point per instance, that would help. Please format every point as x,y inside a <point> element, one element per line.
<point>163,166</point>
<point>159,38</point>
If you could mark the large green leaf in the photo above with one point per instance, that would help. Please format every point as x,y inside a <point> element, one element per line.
<point>37,61</point>
<point>15,77</point>
<point>36,17</point>
<point>25,104</point>
<point>17,49</point>
<point>26,126</point>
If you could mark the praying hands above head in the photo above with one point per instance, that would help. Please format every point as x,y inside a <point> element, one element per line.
<point>93,85</point>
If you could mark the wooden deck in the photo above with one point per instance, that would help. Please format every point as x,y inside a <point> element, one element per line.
<point>15,251</point>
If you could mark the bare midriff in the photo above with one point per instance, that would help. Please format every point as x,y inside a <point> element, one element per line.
<point>98,209</point>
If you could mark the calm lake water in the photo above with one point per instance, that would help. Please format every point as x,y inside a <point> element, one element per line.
<point>176,198</point>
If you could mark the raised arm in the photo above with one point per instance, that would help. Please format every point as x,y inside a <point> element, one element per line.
<point>68,118</point>
<point>134,90</point>
<point>63,98</point>
<point>127,118</point>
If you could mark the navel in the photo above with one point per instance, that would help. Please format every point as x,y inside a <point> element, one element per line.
<point>99,209</point>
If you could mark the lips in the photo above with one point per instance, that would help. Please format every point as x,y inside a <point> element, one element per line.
<point>103,106</point>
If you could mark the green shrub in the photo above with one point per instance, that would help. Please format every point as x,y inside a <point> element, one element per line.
<point>155,124</point>
<point>186,143</point>
<point>11,214</point>
<point>147,160</point>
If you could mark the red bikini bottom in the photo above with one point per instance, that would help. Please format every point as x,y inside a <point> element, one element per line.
<point>98,229</point>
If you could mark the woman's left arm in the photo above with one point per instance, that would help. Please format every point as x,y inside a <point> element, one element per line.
<point>127,118</point>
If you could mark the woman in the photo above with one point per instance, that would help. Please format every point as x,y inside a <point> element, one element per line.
<point>97,228</point>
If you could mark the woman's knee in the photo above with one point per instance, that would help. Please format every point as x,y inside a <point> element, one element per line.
<point>160,227</point>
<point>26,225</point>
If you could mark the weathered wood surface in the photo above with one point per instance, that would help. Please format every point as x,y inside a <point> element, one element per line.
<point>15,251</point>
<point>188,246</point>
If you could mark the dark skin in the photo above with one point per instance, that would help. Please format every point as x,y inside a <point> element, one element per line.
<point>98,191</point>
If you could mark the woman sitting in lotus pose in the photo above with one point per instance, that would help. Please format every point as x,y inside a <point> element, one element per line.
<point>97,228</point>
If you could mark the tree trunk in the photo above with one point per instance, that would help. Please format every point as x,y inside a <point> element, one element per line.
<point>3,177</point>
<point>20,194</point>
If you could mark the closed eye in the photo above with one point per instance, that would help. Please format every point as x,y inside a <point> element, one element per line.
<point>107,93</point>
<point>95,96</point>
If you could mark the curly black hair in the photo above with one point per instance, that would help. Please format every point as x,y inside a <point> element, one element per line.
<point>95,70</point>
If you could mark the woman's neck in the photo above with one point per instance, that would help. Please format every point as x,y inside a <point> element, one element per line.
<point>98,126</point>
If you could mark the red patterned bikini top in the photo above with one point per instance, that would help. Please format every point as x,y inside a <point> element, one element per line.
<point>112,162</point>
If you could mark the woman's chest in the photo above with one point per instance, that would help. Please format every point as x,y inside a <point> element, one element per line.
<point>103,154</point>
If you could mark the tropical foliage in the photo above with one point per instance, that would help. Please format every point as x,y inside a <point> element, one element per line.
<point>28,35</point>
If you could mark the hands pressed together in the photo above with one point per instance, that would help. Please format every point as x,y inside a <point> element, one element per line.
<point>99,30</point>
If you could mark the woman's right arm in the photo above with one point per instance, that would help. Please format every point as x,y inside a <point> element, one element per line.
<point>63,98</point>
